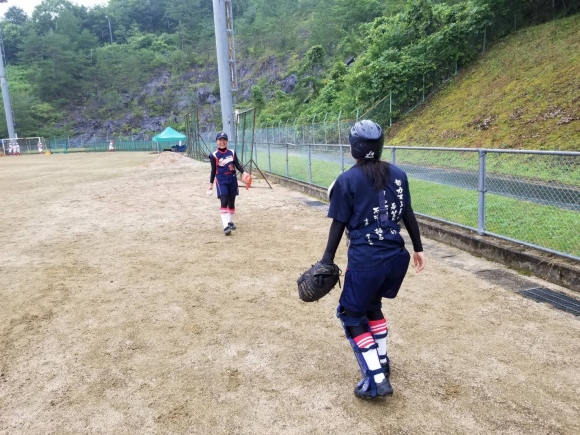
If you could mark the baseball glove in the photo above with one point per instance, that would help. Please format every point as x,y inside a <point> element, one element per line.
<point>317,281</point>
<point>247,179</point>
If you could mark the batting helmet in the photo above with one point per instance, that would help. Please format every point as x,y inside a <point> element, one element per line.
<point>366,140</point>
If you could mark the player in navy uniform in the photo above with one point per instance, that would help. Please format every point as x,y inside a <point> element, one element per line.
<point>224,163</point>
<point>369,200</point>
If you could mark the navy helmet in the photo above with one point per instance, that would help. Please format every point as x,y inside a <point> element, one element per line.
<point>366,140</point>
<point>221,135</point>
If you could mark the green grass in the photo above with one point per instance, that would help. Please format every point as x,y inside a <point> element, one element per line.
<point>564,170</point>
<point>323,173</point>
<point>542,225</point>
<point>527,84</point>
<point>444,202</point>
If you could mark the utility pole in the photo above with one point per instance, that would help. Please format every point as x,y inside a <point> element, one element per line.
<point>5,93</point>
<point>223,22</point>
<point>110,31</point>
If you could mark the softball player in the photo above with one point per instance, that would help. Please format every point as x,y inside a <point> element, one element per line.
<point>369,200</point>
<point>224,163</point>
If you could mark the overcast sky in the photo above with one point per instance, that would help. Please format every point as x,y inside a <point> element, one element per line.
<point>29,5</point>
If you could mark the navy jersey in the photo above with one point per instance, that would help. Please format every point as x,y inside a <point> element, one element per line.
<point>225,162</point>
<point>355,202</point>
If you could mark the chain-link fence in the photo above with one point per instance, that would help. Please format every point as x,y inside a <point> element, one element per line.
<point>529,197</point>
<point>197,148</point>
<point>96,143</point>
<point>328,130</point>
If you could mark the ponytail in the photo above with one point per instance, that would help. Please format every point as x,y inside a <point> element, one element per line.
<point>376,172</point>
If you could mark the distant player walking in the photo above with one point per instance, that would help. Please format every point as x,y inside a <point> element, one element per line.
<point>112,145</point>
<point>368,201</point>
<point>224,163</point>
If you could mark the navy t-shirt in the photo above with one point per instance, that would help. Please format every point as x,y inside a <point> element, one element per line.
<point>225,161</point>
<point>355,202</point>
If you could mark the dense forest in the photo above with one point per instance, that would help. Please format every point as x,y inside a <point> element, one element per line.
<point>67,61</point>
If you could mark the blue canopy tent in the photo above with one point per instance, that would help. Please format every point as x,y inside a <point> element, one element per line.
<point>172,136</point>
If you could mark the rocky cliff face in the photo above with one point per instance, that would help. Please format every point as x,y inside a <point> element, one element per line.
<point>168,97</point>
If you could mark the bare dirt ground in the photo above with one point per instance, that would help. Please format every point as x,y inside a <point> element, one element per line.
<point>125,310</point>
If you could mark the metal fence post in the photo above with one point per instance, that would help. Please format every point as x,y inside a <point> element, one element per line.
<point>390,109</point>
<point>262,134</point>
<point>482,190</point>
<point>280,131</point>
<point>393,157</point>
<point>273,133</point>
<point>338,126</point>
<point>255,154</point>
<point>313,120</point>
<point>287,171</point>
<point>310,163</point>
<point>325,137</point>
<point>269,158</point>
<point>340,143</point>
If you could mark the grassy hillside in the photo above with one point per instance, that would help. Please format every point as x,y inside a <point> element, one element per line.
<point>524,93</point>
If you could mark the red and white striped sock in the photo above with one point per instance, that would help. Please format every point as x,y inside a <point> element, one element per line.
<point>379,327</point>
<point>232,212</point>
<point>365,341</point>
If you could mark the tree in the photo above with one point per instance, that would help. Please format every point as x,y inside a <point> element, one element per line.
<point>258,99</point>
<point>352,13</point>
<point>13,35</point>
<point>55,68</point>
<point>420,18</point>
<point>315,59</point>
<point>46,13</point>
<point>15,15</point>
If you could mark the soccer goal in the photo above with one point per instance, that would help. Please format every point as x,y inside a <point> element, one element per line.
<point>24,145</point>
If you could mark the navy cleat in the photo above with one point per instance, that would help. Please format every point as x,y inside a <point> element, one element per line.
<point>227,231</point>
<point>364,389</point>
<point>231,226</point>
<point>387,368</point>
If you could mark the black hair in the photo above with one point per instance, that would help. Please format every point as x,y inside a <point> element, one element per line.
<point>376,171</point>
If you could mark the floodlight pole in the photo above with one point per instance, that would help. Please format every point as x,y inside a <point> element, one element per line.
<point>5,93</point>
<point>223,20</point>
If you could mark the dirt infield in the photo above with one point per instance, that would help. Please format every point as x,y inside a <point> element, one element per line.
<point>125,310</point>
